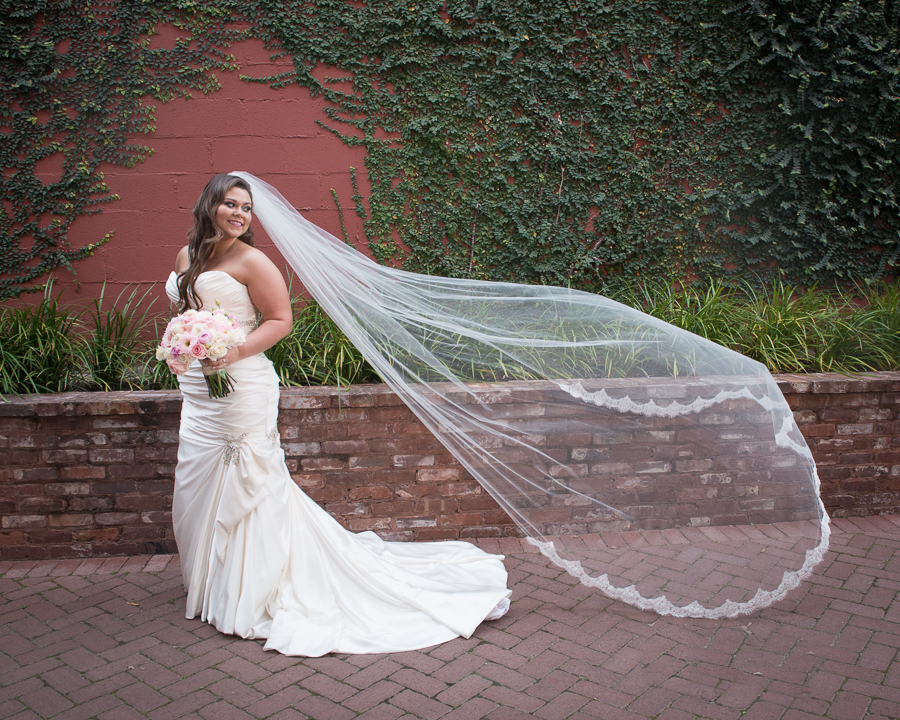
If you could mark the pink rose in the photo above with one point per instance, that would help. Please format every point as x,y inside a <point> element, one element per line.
<point>176,367</point>
<point>197,351</point>
<point>204,336</point>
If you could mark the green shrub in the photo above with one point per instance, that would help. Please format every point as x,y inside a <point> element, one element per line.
<point>782,327</point>
<point>317,352</point>
<point>50,348</point>
<point>38,346</point>
<point>116,340</point>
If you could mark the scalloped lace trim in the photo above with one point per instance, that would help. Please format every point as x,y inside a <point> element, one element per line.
<point>675,409</point>
<point>662,605</point>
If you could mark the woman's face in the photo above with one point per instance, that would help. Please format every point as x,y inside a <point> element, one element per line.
<point>233,214</point>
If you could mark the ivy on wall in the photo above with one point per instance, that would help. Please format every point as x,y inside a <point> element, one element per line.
<point>552,141</point>
<point>76,76</point>
<point>544,140</point>
<point>819,194</point>
<point>567,141</point>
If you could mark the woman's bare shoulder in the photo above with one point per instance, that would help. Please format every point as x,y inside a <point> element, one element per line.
<point>182,260</point>
<point>266,286</point>
<point>254,260</point>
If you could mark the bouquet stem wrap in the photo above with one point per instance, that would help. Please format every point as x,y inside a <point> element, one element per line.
<point>218,382</point>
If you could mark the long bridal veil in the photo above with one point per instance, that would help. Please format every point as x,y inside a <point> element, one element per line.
<point>587,421</point>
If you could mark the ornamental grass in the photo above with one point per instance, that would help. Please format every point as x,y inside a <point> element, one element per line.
<point>51,347</point>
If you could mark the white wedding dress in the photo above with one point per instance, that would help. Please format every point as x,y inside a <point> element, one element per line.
<point>262,560</point>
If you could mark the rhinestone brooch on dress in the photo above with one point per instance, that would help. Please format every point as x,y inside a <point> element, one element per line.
<point>274,437</point>
<point>233,448</point>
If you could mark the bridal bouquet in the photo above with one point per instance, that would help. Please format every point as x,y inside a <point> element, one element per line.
<point>199,334</point>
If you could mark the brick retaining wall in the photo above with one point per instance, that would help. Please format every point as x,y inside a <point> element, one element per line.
<point>90,474</point>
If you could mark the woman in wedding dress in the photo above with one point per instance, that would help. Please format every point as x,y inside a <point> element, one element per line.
<point>582,417</point>
<point>260,559</point>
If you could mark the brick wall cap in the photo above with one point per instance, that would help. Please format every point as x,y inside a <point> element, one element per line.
<point>836,383</point>
<point>380,395</point>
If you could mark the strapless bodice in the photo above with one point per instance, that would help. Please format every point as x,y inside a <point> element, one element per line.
<point>217,285</point>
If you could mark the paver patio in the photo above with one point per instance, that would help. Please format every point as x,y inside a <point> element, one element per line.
<point>107,639</point>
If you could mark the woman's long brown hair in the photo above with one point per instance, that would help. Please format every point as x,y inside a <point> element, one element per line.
<point>203,236</point>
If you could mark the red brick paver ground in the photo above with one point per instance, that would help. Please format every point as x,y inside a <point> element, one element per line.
<point>107,639</point>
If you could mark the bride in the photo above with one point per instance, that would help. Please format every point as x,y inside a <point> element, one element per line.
<point>585,419</point>
<point>260,559</point>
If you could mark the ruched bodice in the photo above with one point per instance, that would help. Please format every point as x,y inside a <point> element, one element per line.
<point>217,286</point>
<point>214,286</point>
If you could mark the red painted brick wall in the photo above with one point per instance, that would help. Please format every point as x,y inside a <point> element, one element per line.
<point>244,126</point>
<point>90,474</point>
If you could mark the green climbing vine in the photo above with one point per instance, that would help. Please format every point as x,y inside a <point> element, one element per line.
<point>571,141</point>
<point>545,141</point>
<point>548,141</point>
<point>819,193</point>
<point>76,75</point>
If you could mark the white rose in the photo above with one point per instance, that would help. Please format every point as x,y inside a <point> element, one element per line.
<point>218,349</point>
